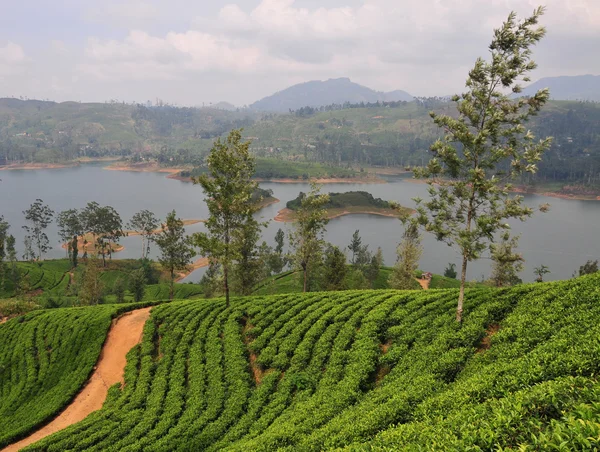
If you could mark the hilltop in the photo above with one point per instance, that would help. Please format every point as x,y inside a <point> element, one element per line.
<point>358,370</point>
<point>577,87</point>
<point>317,93</point>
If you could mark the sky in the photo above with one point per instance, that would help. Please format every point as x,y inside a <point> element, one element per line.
<point>195,52</point>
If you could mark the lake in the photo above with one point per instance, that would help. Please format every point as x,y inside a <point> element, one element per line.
<point>563,239</point>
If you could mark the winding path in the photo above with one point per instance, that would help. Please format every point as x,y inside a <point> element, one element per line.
<point>124,334</point>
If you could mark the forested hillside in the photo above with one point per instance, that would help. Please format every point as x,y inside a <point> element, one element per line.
<point>380,133</point>
<point>359,370</point>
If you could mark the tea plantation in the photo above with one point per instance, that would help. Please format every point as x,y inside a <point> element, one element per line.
<point>356,370</point>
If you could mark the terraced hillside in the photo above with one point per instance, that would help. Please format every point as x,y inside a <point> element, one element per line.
<point>45,358</point>
<point>364,370</point>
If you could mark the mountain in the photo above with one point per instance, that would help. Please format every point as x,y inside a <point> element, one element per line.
<point>578,87</point>
<point>317,93</point>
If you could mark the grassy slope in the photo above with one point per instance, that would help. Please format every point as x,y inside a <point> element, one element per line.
<point>290,282</point>
<point>379,370</point>
<point>50,280</point>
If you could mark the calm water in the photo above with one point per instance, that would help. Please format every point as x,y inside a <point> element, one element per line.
<point>563,239</point>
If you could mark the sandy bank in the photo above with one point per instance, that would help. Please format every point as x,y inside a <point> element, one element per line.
<point>287,215</point>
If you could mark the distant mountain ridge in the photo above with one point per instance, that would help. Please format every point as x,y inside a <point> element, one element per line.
<point>317,93</point>
<point>577,87</point>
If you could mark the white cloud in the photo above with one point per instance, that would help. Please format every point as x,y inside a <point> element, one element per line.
<point>12,59</point>
<point>248,51</point>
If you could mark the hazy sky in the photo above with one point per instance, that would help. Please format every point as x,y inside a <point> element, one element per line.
<point>194,51</point>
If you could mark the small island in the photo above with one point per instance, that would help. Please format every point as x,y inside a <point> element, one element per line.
<point>351,202</point>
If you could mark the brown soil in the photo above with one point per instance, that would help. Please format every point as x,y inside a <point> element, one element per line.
<point>267,202</point>
<point>34,166</point>
<point>143,168</point>
<point>330,180</point>
<point>385,347</point>
<point>486,341</point>
<point>287,215</point>
<point>124,334</point>
<point>591,196</point>
<point>90,246</point>
<point>257,372</point>
<point>423,282</point>
<point>3,320</point>
<point>198,263</point>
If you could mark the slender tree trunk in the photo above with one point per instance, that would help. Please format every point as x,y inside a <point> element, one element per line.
<point>225,274</point>
<point>172,284</point>
<point>461,295</point>
<point>143,249</point>
<point>305,268</point>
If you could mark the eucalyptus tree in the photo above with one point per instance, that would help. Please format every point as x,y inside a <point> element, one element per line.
<point>485,146</point>
<point>175,247</point>
<point>144,223</point>
<point>228,188</point>
<point>409,253</point>
<point>69,229</point>
<point>306,239</point>
<point>39,216</point>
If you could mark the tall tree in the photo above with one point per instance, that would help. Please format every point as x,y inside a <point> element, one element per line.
<point>90,291</point>
<point>484,148</point>
<point>540,272</point>
<point>69,226</point>
<point>306,240</point>
<point>355,245</point>
<point>409,253</point>
<point>105,225</point>
<point>334,268</point>
<point>507,264</point>
<point>250,266</point>
<point>39,216</point>
<point>144,223</point>
<point>4,226</point>
<point>175,247</point>
<point>276,258</point>
<point>137,284</point>
<point>11,253</point>
<point>588,268</point>
<point>228,188</point>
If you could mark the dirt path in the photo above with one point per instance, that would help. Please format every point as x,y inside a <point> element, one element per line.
<point>124,334</point>
<point>424,283</point>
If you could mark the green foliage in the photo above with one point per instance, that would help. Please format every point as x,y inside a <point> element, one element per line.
<point>228,188</point>
<point>409,253</point>
<point>506,262</point>
<point>119,290</point>
<point>306,240</point>
<point>484,148</point>
<point>175,247</point>
<point>588,268</point>
<point>450,271</point>
<point>91,289</point>
<point>334,268</point>
<point>144,223</point>
<point>356,370</point>
<point>39,216</point>
<point>347,199</point>
<point>137,284</point>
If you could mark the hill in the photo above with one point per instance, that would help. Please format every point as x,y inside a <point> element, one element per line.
<point>361,370</point>
<point>317,93</point>
<point>578,87</point>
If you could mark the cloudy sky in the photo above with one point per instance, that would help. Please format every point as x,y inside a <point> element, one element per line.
<point>193,51</point>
